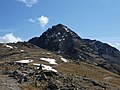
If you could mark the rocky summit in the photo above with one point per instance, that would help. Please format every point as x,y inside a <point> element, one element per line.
<point>62,40</point>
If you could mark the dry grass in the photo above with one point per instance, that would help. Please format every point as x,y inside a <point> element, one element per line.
<point>28,86</point>
<point>84,69</point>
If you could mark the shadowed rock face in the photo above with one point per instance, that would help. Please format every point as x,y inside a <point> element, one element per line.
<point>103,48</point>
<point>62,40</point>
<point>58,38</point>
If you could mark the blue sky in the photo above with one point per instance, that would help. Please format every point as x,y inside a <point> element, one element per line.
<point>93,19</point>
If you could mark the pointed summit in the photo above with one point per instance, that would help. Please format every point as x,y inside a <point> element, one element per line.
<point>60,28</point>
<point>58,38</point>
<point>59,25</point>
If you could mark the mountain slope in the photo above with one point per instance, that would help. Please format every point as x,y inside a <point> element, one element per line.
<point>110,54</point>
<point>63,41</point>
<point>70,75</point>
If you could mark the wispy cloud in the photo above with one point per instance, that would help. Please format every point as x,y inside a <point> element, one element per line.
<point>43,20</point>
<point>31,20</point>
<point>29,3</point>
<point>9,38</point>
<point>117,43</point>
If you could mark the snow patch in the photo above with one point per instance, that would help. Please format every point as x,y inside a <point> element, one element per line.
<point>51,61</point>
<point>48,53</point>
<point>66,29</point>
<point>60,40</point>
<point>8,46</point>
<point>95,64</point>
<point>63,36</point>
<point>45,67</point>
<point>59,33</point>
<point>25,61</point>
<point>22,50</point>
<point>36,64</point>
<point>63,59</point>
<point>63,39</point>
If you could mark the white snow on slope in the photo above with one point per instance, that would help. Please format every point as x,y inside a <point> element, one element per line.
<point>36,64</point>
<point>60,40</point>
<point>48,53</point>
<point>22,50</point>
<point>45,67</point>
<point>63,59</point>
<point>51,61</point>
<point>8,46</point>
<point>66,29</point>
<point>25,61</point>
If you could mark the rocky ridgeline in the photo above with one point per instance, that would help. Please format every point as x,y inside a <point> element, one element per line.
<point>62,40</point>
<point>50,80</point>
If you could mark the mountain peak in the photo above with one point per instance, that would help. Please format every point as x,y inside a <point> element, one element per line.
<point>59,25</point>
<point>60,28</point>
<point>62,40</point>
<point>58,38</point>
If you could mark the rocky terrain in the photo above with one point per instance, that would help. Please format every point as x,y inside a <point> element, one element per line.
<point>22,67</point>
<point>59,60</point>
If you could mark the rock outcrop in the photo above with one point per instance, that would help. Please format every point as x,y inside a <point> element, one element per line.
<point>52,80</point>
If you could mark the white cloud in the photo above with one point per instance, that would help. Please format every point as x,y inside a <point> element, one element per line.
<point>29,3</point>
<point>31,20</point>
<point>118,44</point>
<point>9,38</point>
<point>43,20</point>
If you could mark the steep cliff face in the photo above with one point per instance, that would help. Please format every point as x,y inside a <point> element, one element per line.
<point>58,38</point>
<point>62,40</point>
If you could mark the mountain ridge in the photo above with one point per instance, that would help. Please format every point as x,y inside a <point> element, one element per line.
<point>62,40</point>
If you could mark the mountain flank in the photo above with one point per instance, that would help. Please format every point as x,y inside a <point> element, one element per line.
<point>63,41</point>
<point>24,66</point>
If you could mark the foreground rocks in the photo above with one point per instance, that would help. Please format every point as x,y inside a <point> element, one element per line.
<point>49,80</point>
<point>7,83</point>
